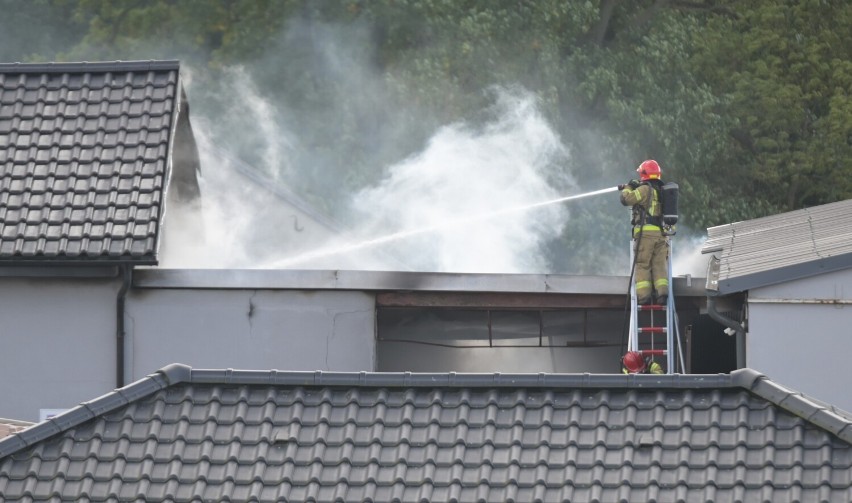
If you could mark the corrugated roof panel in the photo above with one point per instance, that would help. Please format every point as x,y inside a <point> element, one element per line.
<point>776,248</point>
<point>70,134</point>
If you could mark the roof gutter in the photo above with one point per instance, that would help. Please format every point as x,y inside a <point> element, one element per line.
<point>126,271</point>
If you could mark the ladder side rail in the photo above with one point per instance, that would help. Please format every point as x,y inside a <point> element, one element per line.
<point>633,337</point>
<point>679,345</point>
<point>670,313</point>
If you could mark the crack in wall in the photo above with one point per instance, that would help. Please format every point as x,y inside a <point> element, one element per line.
<point>251,311</point>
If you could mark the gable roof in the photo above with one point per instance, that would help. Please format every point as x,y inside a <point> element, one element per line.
<point>778,248</point>
<point>184,433</point>
<point>84,160</point>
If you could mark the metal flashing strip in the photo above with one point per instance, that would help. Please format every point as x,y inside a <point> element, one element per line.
<point>824,302</point>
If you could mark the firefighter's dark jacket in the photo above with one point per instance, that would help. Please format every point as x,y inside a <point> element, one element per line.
<point>647,210</point>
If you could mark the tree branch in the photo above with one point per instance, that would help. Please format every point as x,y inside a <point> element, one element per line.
<point>744,139</point>
<point>645,16</point>
<point>598,32</point>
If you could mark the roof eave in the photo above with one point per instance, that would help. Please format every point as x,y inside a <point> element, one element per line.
<point>760,279</point>
<point>15,261</point>
<point>85,66</point>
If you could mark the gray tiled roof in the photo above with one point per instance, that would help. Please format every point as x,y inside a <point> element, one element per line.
<point>782,247</point>
<point>84,153</point>
<point>232,435</point>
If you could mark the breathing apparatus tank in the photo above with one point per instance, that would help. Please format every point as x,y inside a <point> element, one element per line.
<point>668,200</point>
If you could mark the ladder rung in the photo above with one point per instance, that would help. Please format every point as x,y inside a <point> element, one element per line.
<point>654,352</point>
<point>651,307</point>
<point>652,330</point>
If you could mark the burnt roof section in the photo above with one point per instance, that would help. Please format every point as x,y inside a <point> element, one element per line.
<point>783,247</point>
<point>182,434</point>
<point>84,160</point>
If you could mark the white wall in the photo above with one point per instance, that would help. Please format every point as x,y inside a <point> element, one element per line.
<point>58,336</point>
<point>804,346</point>
<point>251,329</point>
<point>57,343</point>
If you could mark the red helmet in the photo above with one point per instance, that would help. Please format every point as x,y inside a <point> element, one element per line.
<point>649,170</point>
<point>633,362</point>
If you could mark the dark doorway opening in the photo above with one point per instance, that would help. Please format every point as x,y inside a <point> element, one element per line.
<point>712,351</point>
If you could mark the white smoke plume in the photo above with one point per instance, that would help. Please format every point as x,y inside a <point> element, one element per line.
<point>515,159</point>
<point>687,258</point>
<point>224,229</point>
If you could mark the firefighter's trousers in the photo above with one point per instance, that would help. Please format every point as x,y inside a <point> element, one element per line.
<point>652,268</point>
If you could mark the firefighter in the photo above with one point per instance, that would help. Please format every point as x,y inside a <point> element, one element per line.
<point>651,248</point>
<point>634,363</point>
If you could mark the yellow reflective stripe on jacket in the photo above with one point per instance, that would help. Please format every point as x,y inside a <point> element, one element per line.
<point>646,228</point>
<point>635,195</point>
<point>654,209</point>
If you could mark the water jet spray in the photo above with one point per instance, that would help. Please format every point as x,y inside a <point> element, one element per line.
<point>326,252</point>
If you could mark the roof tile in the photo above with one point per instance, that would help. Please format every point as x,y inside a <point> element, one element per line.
<point>84,129</point>
<point>246,439</point>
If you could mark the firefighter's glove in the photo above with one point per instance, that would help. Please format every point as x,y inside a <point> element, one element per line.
<point>621,186</point>
<point>633,183</point>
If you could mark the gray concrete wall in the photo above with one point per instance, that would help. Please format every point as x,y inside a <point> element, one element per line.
<point>250,329</point>
<point>57,343</point>
<point>803,345</point>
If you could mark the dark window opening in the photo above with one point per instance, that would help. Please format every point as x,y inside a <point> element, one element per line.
<point>711,350</point>
<point>500,327</point>
<point>429,339</point>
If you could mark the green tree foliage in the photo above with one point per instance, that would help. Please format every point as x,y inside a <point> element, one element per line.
<point>785,71</point>
<point>35,30</point>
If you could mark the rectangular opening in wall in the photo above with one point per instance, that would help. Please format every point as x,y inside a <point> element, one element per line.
<point>444,339</point>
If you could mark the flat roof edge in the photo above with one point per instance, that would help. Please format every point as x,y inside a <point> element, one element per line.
<point>292,279</point>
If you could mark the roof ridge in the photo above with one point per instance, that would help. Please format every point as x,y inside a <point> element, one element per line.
<point>458,379</point>
<point>87,66</point>
<point>171,374</point>
<point>825,417</point>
